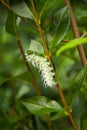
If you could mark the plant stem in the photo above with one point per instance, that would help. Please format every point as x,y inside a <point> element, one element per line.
<point>37,90</point>
<point>6,5</point>
<point>49,58</point>
<point>66,107</point>
<point>48,122</point>
<point>76,33</point>
<point>41,32</point>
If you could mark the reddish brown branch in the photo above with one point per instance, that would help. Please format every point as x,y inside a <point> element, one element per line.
<point>76,33</point>
<point>67,107</point>
<point>41,32</point>
<point>37,90</point>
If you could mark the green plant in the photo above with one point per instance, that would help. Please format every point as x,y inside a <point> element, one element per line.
<point>51,93</point>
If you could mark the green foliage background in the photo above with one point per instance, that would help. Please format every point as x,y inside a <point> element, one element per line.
<point>20,107</point>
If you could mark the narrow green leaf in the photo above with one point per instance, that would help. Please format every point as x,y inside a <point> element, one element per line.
<point>57,115</point>
<point>77,83</point>
<point>80,13</point>
<point>24,89</point>
<point>10,23</point>
<point>35,46</point>
<point>62,25</point>
<point>25,77</point>
<point>71,44</point>
<point>21,8</point>
<point>39,4</point>
<point>28,29</point>
<point>41,105</point>
<point>48,7</point>
<point>3,16</point>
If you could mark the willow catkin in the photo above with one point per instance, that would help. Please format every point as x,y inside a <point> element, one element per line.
<point>44,68</point>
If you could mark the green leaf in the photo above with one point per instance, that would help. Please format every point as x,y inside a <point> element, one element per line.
<point>25,77</point>
<point>3,16</point>
<point>28,30</point>
<point>48,7</point>
<point>80,13</point>
<point>10,23</point>
<point>36,47</point>
<point>24,89</point>
<point>39,4</point>
<point>57,115</point>
<point>41,105</point>
<point>71,44</point>
<point>62,25</point>
<point>21,8</point>
<point>77,83</point>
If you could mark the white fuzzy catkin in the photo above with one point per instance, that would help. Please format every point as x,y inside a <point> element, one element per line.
<point>44,67</point>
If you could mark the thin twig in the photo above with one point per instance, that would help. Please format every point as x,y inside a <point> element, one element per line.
<point>66,107</point>
<point>76,33</point>
<point>84,34</point>
<point>49,58</point>
<point>41,32</point>
<point>64,40</point>
<point>26,63</point>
